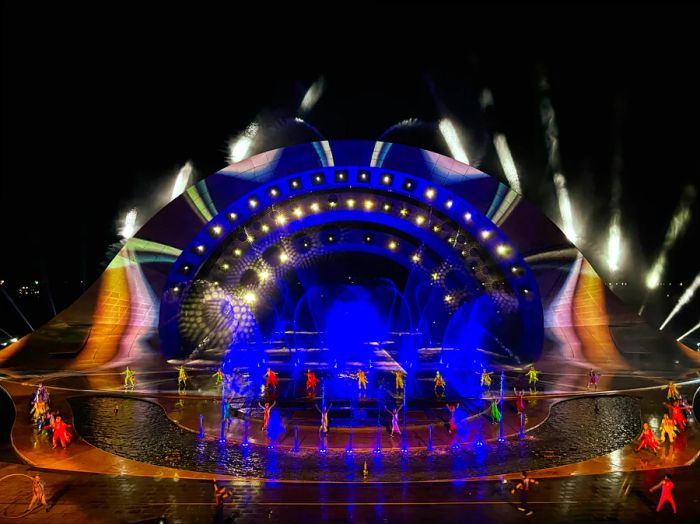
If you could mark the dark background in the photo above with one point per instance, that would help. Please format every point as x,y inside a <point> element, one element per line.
<point>101,106</point>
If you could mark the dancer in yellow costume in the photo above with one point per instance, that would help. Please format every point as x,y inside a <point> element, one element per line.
<point>218,377</point>
<point>128,377</point>
<point>486,379</point>
<point>532,376</point>
<point>399,379</point>
<point>672,392</point>
<point>667,427</point>
<point>181,378</point>
<point>361,380</point>
<point>439,383</point>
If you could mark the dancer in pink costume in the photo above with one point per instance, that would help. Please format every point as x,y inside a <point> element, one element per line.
<point>394,420</point>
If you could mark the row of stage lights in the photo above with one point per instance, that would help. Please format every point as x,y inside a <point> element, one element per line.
<point>503,250</point>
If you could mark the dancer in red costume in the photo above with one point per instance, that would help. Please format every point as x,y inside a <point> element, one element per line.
<point>266,413</point>
<point>60,432</point>
<point>271,379</point>
<point>648,439</point>
<point>453,425</point>
<point>666,486</point>
<point>311,383</point>
<point>677,414</point>
<point>519,401</point>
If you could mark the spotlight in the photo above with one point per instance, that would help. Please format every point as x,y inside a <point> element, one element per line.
<point>435,275</point>
<point>368,239</point>
<point>264,275</point>
<point>448,298</point>
<point>351,203</point>
<point>253,203</point>
<point>393,245</point>
<point>485,234</point>
<point>331,239</point>
<point>341,176</point>
<point>416,258</point>
<point>468,217</point>
<point>386,206</point>
<point>363,176</point>
<point>250,297</point>
<point>386,180</point>
<point>232,216</point>
<point>200,248</point>
<point>448,204</point>
<point>420,220</point>
<point>369,205</point>
<point>503,250</point>
<point>237,252</point>
<point>284,257</point>
<point>250,238</point>
<point>318,179</point>
<point>409,185</point>
<point>176,289</point>
<point>332,201</point>
<point>225,266</point>
<point>295,184</point>
<point>404,212</point>
<point>265,228</point>
<point>315,207</point>
<point>436,228</point>
<point>274,192</point>
<point>298,212</point>
<point>216,230</point>
<point>430,193</point>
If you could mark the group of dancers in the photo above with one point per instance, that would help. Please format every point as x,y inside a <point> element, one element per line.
<point>672,423</point>
<point>47,421</point>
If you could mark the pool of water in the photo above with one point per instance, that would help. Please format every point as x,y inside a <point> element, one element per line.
<point>577,430</point>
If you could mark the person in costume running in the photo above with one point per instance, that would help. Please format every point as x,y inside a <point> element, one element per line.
<point>311,383</point>
<point>218,377</point>
<point>668,427</point>
<point>677,414</point>
<point>440,384</point>
<point>60,432</point>
<point>486,379</point>
<point>648,439</point>
<point>394,419</point>
<point>266,413</point>
<point>38,494</point>
<point>453,423</point>
<point>129,376</point>
<point>593,378</point>
<point>523,487</point>
<point>532,376</point>
<point>323,428</point>
<point>181,378</point>
<point>666,486</point>
<point>270,379</point>
<point>400,375</point>
<point>672,391</point>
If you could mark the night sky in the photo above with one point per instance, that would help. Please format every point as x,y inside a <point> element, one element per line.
<point>101,107</point>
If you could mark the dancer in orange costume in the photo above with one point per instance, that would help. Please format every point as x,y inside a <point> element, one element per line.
<point>677,414</point>
<point>486,379</point>
<point>218,377</point>
<point>311,383</point>
<point>270,379</point>
<point>38,493</point>
<point>648,439</point>
<point>60,432</point>
<point>266,413</point>
<point>666,486</point>
<point>672,393</point>
<point>399,379</point>
<point>453,425</point>
<point>440,384</point>
<point>361,377</point>
<point>668,427</point>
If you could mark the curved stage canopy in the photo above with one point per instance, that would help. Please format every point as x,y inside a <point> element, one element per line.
<point>348,254</point>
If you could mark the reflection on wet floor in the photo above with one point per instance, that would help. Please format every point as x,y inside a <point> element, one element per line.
<point>577,430</point>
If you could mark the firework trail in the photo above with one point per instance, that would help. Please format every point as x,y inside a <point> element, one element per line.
<point>182,180</point>
<point>691,330</point>
<point>240,147</point>
<point>312,96</point>
<point>507,163</point>
<point>129,228</point>
<point>449,133</point>
<point>685,298</point>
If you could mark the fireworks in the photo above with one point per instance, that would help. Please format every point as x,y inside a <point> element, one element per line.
<point>449,133</point>
<point>183,178</point>
<point>129,228</point>
<point>685,298</point>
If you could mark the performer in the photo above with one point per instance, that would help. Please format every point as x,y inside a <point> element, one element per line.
<point>593,378</point>
<point>271,379</point>
<point>38,410</point>
<point>453,424</point>
<point>361,377</point>
<point>668,427</point>
<point>519,401</point>
<point>311,383</point>
<point>532,376</point>
<point>523,487</point>
<point>400,375</point>
<point>218,377</point>
<point>60,432</point>
<point>38,493</point>
<point>486,379</point>
<point>129,377</point>
<point>181,378</point>
<point>677,414</point>
<point>266,413</point>
<point>672,393</point>
<point>440,384</point>
<point>394,420</point>
<point>323,428</point>
<point>495,413</point>
<point>666,486</point>
<point>648,439</point>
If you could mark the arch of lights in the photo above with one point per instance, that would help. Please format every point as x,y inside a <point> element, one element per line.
<point>219,285</point>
